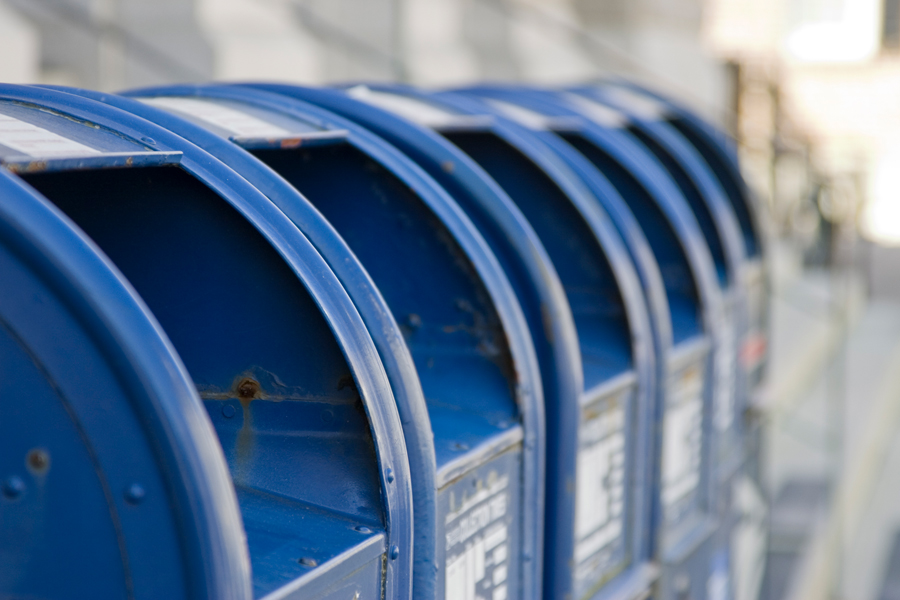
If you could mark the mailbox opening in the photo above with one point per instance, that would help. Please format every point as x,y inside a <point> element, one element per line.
<point>459,346</point>
<point>684,301</point>
<point>266,363</point>
<point>600,317</point>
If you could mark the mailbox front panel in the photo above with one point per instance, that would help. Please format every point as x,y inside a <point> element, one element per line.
<point>441,339</point>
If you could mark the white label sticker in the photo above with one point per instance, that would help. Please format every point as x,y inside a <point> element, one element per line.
<point>38,142</point>
<point>724,407</point>
<point>600,483</point>
<point>522,116</point>
<point>682,431</point>
<point>234,121</point>
<point>466,571</point>
<point>479,533</point>
<point>640,104</point>
<point>417,111</point>
<point>598,113</point>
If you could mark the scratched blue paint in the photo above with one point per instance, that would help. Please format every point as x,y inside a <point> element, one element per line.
<point>242,295</point>
<point>88,372</point>
<point>462,324</point>
<point>588,256</point>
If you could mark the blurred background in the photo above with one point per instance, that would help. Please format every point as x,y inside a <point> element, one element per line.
<point>810,91</point>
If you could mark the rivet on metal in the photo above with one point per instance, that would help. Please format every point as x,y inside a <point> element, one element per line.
<point>308,562</point>
<point>228,411</point>
<point>13,487</point>
<point>135,493</point>
<point>390,475</point>
<point>149,141</point>
<point>395,552</point>
<point>362,529</point>
<point>38,461</point>
<point>247,388</point>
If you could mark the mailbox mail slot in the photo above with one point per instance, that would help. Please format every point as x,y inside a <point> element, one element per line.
<point>462,323</point>
<point>284,364</point>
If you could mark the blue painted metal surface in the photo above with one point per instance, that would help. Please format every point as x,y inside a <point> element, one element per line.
<point>723,235</point>
<point>520,252</point>
<point>385,332</point>
<point>588,545</point>
<point>617,380</point>
<point>739,492</point>
<point>688,519</point>
<point>719,152</point>
<point>290,378</point>
<point>92,375</point>
<point>462,322</point>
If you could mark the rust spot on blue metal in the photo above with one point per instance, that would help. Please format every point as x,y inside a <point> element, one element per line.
<point>246,389</point>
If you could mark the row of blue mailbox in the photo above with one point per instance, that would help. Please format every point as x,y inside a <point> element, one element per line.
<point>374,342</point>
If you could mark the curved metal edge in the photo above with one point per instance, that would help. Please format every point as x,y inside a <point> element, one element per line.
<point>653,177</point>
<point>550,296</point>
<point>529,393</point>
<point>149,367</point>
<point>609,239</point>
<point>721,145</point>
<point>380,322</point>
<point>315,275</point>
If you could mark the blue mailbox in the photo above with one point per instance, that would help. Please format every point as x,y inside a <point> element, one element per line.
<point>462,323</point>
<point>653,113</point>
<point>88,373</point>
<point>689,525</point>
<point>722,233</point>
<point>719,153</point>
<point>289,376</point>
<point>596,533</point>
<point>596,433</point>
